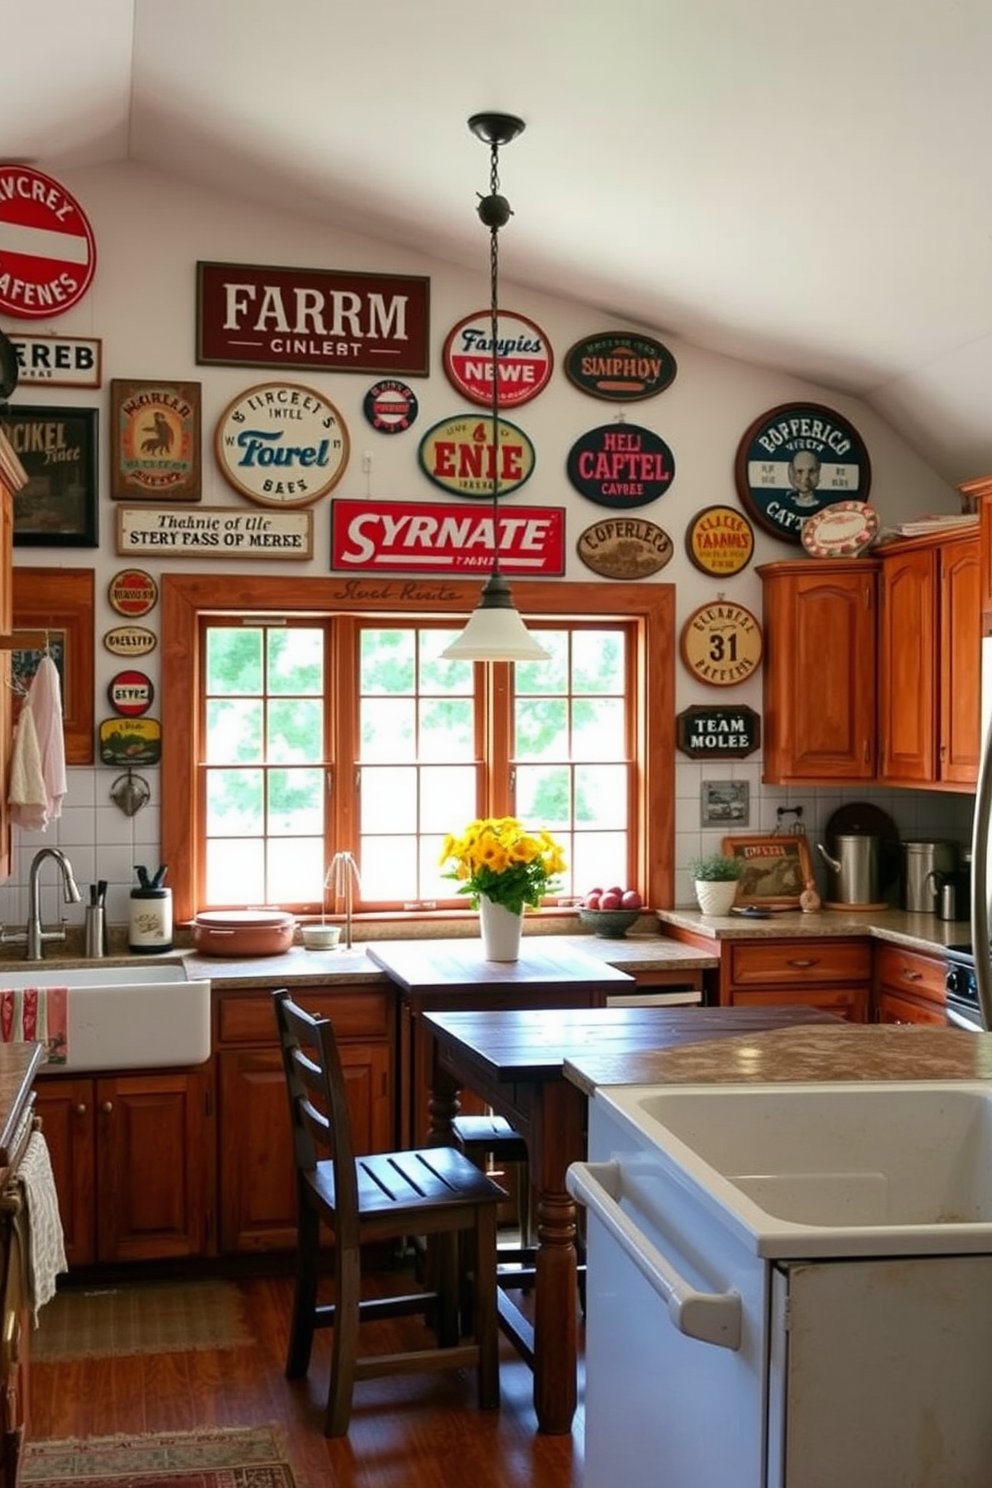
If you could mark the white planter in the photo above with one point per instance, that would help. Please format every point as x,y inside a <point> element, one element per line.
<point>501,931</point>
<point>715,896</point>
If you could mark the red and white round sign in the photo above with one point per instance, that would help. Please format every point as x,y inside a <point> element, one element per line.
<point>47,248</point>
<point>524,359</point>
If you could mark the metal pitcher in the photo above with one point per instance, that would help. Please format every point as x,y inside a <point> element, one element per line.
<point>855,869</point>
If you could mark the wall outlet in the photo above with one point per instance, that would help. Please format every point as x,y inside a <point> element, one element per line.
<point>366,461</point>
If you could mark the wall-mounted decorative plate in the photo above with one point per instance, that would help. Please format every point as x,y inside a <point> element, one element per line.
<point>795,460</point>
<point>721,644</point>
<point>282,444</point>
<point>720,541</point>
<point>841,531</point>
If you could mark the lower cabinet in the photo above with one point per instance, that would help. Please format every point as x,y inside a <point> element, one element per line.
<point>256,1184</point>
<point>909,987</point>
<point>131,1160</point>
<point>831,974</point>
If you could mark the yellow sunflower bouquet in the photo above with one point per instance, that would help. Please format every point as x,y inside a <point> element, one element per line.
<point>500,859</point>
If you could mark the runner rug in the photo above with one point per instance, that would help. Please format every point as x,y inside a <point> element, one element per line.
<point>231,1458</point>
<point>157,1318</point>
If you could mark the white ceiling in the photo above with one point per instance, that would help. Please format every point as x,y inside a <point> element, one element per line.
<point>802,184</point>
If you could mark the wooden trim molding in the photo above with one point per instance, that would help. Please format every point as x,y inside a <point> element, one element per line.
<point>187,597</point>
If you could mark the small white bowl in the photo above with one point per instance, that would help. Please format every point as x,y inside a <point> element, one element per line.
<point>321,937</point>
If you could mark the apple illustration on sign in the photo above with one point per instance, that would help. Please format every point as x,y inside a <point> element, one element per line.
<point>612,898</point>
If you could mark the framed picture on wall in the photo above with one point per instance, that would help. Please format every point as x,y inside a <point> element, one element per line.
<point>53,608</point>
<point>154,440</point>
<point>58,449</point>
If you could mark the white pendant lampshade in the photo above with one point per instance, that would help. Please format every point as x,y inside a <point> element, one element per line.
<point>495,631</point>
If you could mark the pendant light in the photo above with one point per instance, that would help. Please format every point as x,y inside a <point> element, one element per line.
<point>495,631</point>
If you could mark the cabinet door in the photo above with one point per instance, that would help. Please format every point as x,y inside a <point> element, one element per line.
<point>65,1106</point>
<point>257,1184</point>
<point>894,1008</point>
<point>960,662</point>
<point>908,667</point>
<point>847,1002</point>
<point>819,677</point>
<point>152,1166</point>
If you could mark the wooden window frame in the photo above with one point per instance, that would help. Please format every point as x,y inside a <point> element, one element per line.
<point>186,598</point>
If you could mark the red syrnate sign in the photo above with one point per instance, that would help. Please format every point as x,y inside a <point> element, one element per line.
<point>437,537</point>
<point>250,316</point>
<point>47,247</point>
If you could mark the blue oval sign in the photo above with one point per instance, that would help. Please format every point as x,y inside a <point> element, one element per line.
<point>621,466</point>
<point>619,367</point>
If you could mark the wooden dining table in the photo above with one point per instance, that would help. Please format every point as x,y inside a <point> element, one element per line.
<point>537,1067</point>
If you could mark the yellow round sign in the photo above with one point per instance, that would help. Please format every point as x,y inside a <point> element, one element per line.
<point>720,541</point>
<point>721,644</point>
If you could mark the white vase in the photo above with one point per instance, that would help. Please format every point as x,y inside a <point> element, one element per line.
<point>501,931</point>
<point>715,896</point>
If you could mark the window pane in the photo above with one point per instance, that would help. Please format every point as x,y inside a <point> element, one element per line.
<point>387,661</point>
<point>598,728</point>
<point>234,660</point>
<point>389,869</point>
<point>388,728</point>
<point>598,861</point>
<point>447,728</point>
<point>234,802</point>
<point>542,728</point>
<point>296,802</point>
<point>598,661</point>
<point>545,676</point>
<point>447,798</point>
<point>601,795</point>
<point>295,730</point>
<point>235,871</point>
<point>295,870</point>
<point>543,796</point>
<point>234,731</point>
<point>389,799</point>
<point>296,661</point>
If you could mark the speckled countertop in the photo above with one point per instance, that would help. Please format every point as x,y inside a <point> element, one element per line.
<point>923,932</point>
<point>814,1053</point>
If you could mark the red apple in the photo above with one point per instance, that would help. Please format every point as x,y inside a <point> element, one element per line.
<point>616,889</point>
<point>630,899</point>
<point>610,900</point>
<point>592,899</point>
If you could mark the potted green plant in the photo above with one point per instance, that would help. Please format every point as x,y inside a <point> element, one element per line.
<point>715,877</point>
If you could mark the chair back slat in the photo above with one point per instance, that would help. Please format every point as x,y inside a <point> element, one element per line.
<point>318,1105</point>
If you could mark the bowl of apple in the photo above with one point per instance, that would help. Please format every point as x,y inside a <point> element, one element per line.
<point>611,912</point>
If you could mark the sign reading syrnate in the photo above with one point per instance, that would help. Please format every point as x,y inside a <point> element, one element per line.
<point>47,247</point>
<point>431,537</point>
<point>250,316</point>
<point>281,444</point>
<point>795,460</point>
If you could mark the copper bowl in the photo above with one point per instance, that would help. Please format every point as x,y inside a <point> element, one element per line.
<point>243,932</point>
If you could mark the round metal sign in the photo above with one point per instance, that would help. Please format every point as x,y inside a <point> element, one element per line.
<point>621,466</point>
<point>132,592</point>
<point>720,541</point>
<point>457,455</point>
<point>524,360</point>
<point>795,460</point>
<point>281,444</point>
<point>47,247</point>
<point>721,644</point>
<point>390,406</point>
<point>131,693</point>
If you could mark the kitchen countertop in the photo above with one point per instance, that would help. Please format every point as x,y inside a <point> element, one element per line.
<point>922,932</point>
<point>809,1054</point>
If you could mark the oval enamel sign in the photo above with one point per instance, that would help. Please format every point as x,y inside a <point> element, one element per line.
<point>621,466</point>
<point>281,444</point>
<point>49,251</point>
<point>457,455</point>
<point>132,592</point>
<point>130,640</point>
<point>524,360</point>
<point>625,548</point>
<point>619,367</point>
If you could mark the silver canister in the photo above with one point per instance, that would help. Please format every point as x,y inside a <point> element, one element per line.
<point>948,900</point>
<point>925,865</point>
<point>96,932</point>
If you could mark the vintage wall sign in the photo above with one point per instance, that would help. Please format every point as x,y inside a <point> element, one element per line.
<point>58,361</point>
<point>524,359</point>
<point>621,466</point>
<point>720,540</point>
<point>457,454</point>
<point>47,247</point>
<point>390,406</point>
<point>718,731</point>
<point>213,532</point>
<point>132,592</point>
<point>130,741</point>
<point>281,444</point>
<point>131,693</point>
<point>250,316</point>
<point>721,644</point>
<point>154,440</point>
<point>425,537</point>
<point>130,640</point>
<point>619,367</point>
<point>625,548</point>
<point>795,460</point>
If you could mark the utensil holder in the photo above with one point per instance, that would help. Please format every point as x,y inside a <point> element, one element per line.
<point>96,932</point>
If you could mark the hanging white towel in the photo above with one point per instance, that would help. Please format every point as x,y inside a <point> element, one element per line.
<point>45,1259</point>
<point>34,806</point>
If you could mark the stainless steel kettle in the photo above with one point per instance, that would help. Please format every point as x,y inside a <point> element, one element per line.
<point>855,869</point>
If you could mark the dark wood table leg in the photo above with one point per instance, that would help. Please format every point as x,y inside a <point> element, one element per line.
<point>557,1138</point>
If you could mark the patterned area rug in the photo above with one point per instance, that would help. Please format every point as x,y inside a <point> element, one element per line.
<point>234,1458</point>
<point>159,1318</point>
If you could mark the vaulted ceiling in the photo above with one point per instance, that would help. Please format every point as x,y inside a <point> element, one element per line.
<point>803,185</point>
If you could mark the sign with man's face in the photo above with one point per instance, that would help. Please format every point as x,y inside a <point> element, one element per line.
<point>795,460</point>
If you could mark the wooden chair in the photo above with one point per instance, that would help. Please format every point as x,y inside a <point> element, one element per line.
<point>435,1192</point>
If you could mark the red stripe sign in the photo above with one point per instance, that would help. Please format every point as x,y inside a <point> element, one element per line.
<point>436,537</point>
<point>47,247</point>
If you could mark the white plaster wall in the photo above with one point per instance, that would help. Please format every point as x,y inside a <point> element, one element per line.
<point>151,230</point>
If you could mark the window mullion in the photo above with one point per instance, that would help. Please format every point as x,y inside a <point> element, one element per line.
<point>498,701</point>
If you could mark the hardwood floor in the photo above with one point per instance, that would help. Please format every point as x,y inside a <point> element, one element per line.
<point>416,1431</point>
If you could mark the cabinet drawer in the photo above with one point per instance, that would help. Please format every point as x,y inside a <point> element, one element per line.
<point>906,971</point>
<point>247,1017</point>
<point>799,962</point>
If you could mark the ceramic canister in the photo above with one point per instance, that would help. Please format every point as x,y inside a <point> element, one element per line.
<point>150,921</point>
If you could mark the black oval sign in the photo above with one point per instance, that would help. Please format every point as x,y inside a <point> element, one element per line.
<point>619,367</point>
<point>621,466</point>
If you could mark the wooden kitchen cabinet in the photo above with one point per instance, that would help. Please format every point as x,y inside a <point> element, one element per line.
<point>256,1179</point>
<point>909,987</point>
<point>130,1155</point>
<point>929,662</point>
<point>834,975</point>
<point>819,670</point>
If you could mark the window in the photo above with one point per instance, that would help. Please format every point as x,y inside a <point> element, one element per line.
<point>319,723</point>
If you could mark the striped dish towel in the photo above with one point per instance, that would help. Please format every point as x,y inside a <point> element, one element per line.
<point>30,1014</point>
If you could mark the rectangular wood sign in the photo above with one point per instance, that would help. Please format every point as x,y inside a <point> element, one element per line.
<point>213,532</point>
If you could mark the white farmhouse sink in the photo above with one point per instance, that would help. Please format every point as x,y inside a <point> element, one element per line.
<point>126,1017</point>
<point>838,1169</point>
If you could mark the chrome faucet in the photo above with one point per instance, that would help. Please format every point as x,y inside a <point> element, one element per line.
<point>36,935</point>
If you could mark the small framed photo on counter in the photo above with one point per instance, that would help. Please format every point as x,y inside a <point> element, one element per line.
<point>775,869</point>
